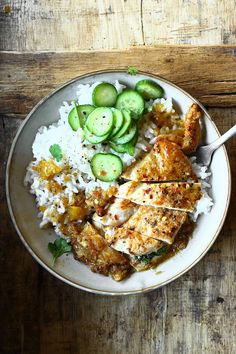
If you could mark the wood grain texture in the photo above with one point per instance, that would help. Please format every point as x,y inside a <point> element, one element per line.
<point>38,313</point>
<point>194,314</point>
<point>72,25</point>
<point>208,73</point>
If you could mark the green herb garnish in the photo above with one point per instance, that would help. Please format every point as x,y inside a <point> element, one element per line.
<point>58,248</point>
<point>132,70</point>
<point>146,258</point>
<point>55,150</point>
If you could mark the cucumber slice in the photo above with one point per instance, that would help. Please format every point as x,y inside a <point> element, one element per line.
<point>100,121</point>
<point>106,167</point>
<point>149,89</point>
<point>129,134</point>
<point>131,100</point>
<point>104,95</point>
<point>78,115</point>
<point>125,126</point>
<point>84,111</point>
<point>118,120</point>
<point>128,147</point>
<point>131,150</point>
<point>94,139</point>
<point>74,119</point>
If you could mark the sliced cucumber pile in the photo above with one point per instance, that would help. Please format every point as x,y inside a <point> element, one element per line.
<point>149,89</point>
<point>104,95</point>
<point>106,167</point>
<point>113,119</point>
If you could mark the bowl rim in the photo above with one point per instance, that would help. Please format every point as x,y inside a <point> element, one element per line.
<point>37,257</point>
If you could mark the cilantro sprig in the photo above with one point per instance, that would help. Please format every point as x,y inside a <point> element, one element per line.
<point>132,70</point>
<point>58,248</point>
<point>56,152</point>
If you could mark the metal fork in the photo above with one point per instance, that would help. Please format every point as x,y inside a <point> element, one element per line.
<point>204,153</point>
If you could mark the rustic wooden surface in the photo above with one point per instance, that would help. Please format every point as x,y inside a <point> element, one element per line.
<point>39,314</point>
<point>71,25</point>
<point>208,73</point>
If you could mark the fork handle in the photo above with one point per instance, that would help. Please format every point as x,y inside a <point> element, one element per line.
<point>220,141</point>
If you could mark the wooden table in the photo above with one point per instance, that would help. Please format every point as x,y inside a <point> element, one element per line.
<point>43,44</point>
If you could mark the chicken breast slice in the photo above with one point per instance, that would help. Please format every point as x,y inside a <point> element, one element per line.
<point>152,260</point>
<point>158,223</point>
<point>131,242</point>
<point>172,195</point>
<point>92,249</point>
<point>188,138</point>
<point>117,213</point>
<point>192,132</point>
<point>165,162</point>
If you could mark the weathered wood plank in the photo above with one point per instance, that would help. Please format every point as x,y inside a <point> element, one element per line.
<point>194,314</point>
<point>208,73</point>
<point>60,25</point>
<point>189,22</point>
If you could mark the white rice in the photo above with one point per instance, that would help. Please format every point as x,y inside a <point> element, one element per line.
<point>203,206</point>
<point>77,152</point>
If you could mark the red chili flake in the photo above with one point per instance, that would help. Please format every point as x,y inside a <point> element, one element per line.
<point>145,176</point>
<point>151,196</point>
<point>116,217</point>
<point>103,173</point>
<point>148,190</point>
<point>100,210</point>
<point>147,148</point>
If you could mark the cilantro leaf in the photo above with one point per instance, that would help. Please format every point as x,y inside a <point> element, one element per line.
<point>132,70</point>
<point>55,150</point>
<point>146,258</point>
<point>58,248</point>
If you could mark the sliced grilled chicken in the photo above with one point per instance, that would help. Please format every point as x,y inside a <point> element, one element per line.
<point>188,138</point>
<point>131,242</point>
<point>152,260</point>
<point>172,195</point>
<point>158,223</point>
<point>92,249</point>
<point>192,133</point>
<point>165,162</point>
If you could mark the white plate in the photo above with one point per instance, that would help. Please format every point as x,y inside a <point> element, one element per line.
<point>24,212</point>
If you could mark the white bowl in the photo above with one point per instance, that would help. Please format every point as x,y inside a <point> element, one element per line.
<point>24,212</point>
